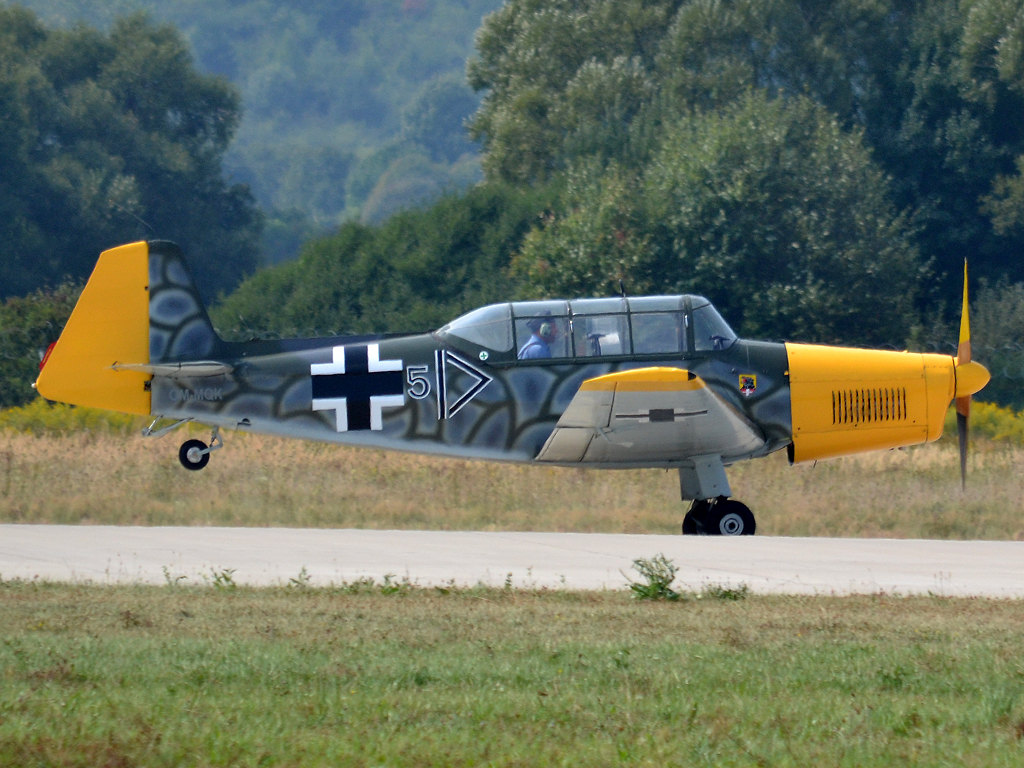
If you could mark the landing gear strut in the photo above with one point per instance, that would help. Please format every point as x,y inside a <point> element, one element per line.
<point>719,517</point>
<point>194,454</point>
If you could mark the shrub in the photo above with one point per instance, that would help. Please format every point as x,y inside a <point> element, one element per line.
<point>990,421</point>
<point>28,324</point>
<point>40,417</point>
<point>659,572</point>
<point>724,592</point>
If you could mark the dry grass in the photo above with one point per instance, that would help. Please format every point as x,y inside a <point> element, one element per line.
<point>108,478</point>
<point>893,494</point>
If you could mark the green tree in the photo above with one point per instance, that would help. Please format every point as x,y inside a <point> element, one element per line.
<point>318,78</point>
<point>767,208</point>
<point>554,73</point>
<point>107,138</point>
<point>948,129</point>
<point>783,220</point>
<point>528,54</point>
<point>935,87</point>
<point>412,180</point>
<point>598,235</point>
<point>997,340</point>
<point>417,270</point>
<point>434,119</point>
<point>1006,203</point>
<point>28,325</point>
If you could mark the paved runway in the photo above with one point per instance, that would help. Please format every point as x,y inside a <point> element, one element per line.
<point>261,556</point>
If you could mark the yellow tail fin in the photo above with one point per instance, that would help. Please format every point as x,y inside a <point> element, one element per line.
<point>110,324</point>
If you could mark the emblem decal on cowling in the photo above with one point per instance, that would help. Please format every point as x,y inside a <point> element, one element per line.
<point>748,383</point>
<point>356,386</point>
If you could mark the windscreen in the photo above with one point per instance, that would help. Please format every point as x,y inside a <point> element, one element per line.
<point>489,327</point>
<point>710,331</point>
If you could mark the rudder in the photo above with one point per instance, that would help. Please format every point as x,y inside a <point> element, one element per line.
<point>109,324</point>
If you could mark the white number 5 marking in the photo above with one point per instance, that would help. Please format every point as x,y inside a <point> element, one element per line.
<point>419,384</point>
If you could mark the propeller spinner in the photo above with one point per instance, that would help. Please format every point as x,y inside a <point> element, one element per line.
<point>969,377</point>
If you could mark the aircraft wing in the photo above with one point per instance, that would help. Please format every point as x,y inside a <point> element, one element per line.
<point>648,415</point>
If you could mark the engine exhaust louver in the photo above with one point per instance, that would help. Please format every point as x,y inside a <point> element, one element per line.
<point>862,406</point>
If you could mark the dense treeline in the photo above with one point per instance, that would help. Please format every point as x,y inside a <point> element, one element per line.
<point>818,170</point>
<point>418,270</point>
<point>353,108</point>
<point>109,137</point>
<point>766,207</point>
<point>933,90</point>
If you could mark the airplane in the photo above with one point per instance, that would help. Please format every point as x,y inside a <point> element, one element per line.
<point>609,383</point>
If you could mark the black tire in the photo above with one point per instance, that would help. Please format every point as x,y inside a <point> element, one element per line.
<point>730,518</point>
<point>694,522</point>
<point>186,462</point>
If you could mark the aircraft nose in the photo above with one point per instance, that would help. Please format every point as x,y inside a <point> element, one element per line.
<point>970,378</point>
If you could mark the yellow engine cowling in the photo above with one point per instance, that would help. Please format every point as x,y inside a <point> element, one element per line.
<point>848,401</point>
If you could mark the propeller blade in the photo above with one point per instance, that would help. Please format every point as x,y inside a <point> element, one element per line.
<point>963,404</point>
<point>963,350</point>
<point>961,436</point>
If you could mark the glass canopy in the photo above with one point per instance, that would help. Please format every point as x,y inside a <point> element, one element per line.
<point>584,328</point>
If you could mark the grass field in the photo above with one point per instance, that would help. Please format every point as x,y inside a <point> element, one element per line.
<point>111,477</point>
<point>163,676</point>
<point>368,674</point>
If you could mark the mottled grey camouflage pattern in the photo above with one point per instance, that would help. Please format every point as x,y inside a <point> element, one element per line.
<point>269,388</point>
<point>179,328</point>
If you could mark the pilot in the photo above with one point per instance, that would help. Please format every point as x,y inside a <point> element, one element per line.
<point>543,334</point>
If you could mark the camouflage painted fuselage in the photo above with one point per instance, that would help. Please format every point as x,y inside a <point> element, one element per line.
<point>508,420</point>
<point>458,399</point>
<point>270,390</point>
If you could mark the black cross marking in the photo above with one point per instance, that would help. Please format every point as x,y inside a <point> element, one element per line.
<point>357,385</point>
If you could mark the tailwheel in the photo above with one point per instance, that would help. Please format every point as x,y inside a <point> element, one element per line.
<point>194,455</point>
<point>729,517</point>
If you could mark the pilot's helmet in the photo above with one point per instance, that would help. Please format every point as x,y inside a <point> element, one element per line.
<point>542,326</point>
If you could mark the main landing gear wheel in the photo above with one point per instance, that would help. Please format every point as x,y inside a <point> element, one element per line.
<point>194,455</point>
<point>730,518</point>
<point>719,517</point>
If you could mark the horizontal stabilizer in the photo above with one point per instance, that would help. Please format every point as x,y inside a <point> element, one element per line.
<point>189,370</point>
